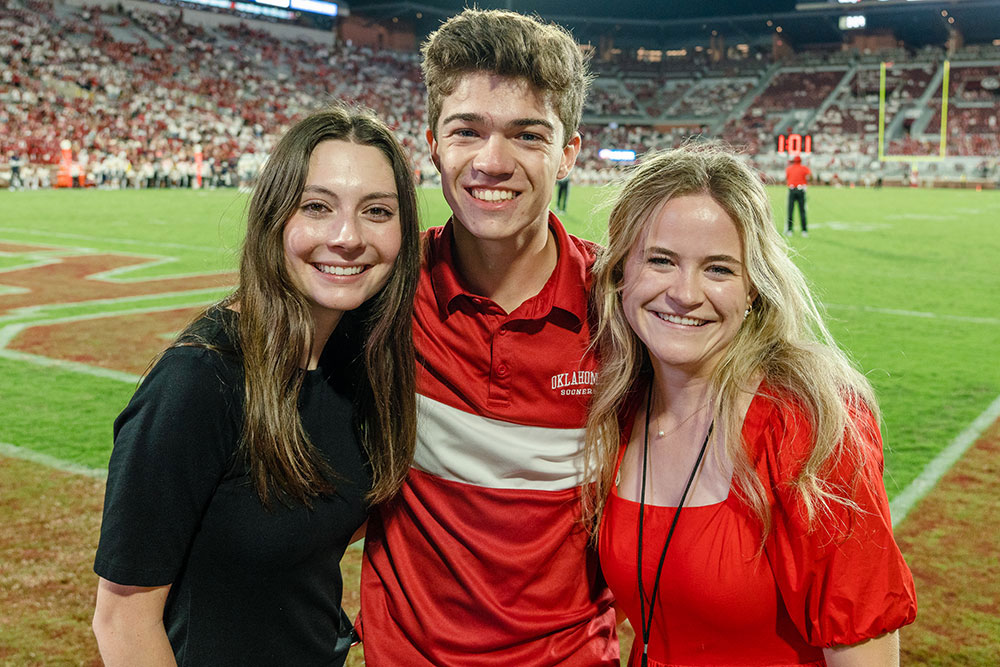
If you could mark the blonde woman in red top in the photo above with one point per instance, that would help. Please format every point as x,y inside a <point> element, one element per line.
<point>739,502</point>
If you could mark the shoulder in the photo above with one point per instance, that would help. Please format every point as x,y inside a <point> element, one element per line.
<point>435,247</point>
<point>778,432</point>
<point>776,412</point>
<point>209,345</point>
<point>780,435</point>
<point>432,237</point>
<point>194,368</point>
<point>216,328</point>
<point>587,249</point>
<point>201,371</point>
<point>187,409</point>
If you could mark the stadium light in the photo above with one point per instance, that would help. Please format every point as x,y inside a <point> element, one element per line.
<point>852,22</point>
<point>316,7</point>
<point>616,155</point>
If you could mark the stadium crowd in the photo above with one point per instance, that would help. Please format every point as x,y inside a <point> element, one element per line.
<point>148,99</point>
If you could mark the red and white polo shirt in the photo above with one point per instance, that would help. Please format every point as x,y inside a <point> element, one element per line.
<point>482,559</point>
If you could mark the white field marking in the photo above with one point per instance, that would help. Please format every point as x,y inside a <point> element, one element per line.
<point>919,216</point>
<point>915,313</point>
<point>849,226</point>
<point>9,333</point>
<point>46,248</point>
<point>39,258</point>
<point>56,254</point>
<point>901,505</point>
<point>31,262</point>
<point>39,311</point>
<point>72,366</point>
<point>111,275</point>
<point>104,239</point>
<point>25,454</point>
<point>8,290</point>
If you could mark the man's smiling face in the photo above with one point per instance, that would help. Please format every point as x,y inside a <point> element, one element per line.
<point>499,146</point>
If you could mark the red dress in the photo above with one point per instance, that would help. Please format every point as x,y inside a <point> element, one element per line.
<point>719,603</point>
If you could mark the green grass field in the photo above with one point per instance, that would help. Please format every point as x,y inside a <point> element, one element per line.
<point>908,279</point>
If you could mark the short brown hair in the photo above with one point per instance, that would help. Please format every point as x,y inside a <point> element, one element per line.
<point>507,44</point>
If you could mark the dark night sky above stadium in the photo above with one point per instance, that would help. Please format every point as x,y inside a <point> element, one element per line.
<point>637,23</point>
<point>648,9</point>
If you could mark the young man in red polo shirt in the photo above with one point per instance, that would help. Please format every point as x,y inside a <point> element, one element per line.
<point>482,559</point>
<point>797,175</point>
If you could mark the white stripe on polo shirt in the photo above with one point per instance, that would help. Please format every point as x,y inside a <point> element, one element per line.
<point>463,447</point>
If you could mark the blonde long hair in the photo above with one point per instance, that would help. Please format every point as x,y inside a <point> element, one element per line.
<point>783,339</point>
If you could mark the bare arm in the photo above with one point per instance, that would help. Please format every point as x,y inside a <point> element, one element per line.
<point>128,624</point>
<point>881,651</point>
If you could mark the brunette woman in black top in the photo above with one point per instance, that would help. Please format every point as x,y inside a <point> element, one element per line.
<point>250,454</point>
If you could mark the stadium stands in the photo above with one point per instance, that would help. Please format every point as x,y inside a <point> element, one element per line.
<point>138,90</point>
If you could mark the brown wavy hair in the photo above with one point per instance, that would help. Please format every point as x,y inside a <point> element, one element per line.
<point>275,326</point>
<point>783,339</point>
<point>508,44</point>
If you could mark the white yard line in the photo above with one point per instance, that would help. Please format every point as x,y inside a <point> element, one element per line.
<point>33,262</point>
<point>40,310</point>
<point>72,366</point>
<point>901,505</point>
<point>104,239</point>
<point>15,452</point>
<point>118,275</point>
<point>915,313</point>
<point>10,332</point>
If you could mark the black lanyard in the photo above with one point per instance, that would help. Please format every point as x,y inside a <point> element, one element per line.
<point>647,623</point>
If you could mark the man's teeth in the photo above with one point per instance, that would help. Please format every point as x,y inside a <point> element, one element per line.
<point>492,195</point>
<point>340,270</point>
<point>677,319</point>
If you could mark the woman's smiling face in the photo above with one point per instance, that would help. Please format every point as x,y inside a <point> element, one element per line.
<point>685,289</point>
<point>343,239</point>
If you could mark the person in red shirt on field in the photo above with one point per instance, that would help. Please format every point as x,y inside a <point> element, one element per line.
<point>796,175</point>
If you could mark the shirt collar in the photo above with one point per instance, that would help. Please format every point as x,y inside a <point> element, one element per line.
<point>566,289</point>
